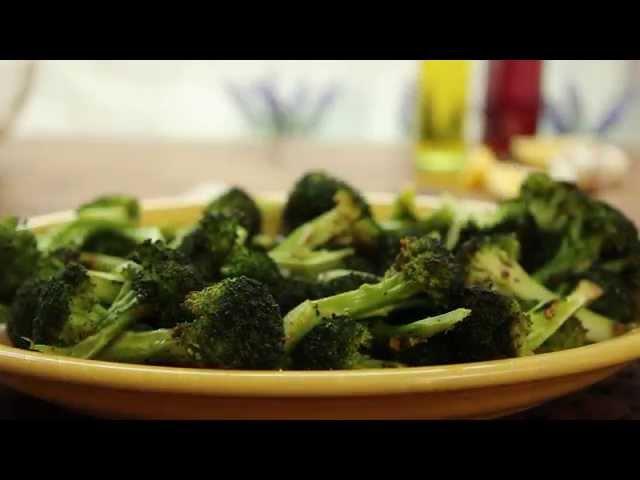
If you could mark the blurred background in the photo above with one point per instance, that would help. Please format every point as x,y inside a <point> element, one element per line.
<point>69,129</point>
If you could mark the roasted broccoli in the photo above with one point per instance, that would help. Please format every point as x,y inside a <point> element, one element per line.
<point>19,257</point>
<point>209,244</point>
<point>70,306</point>
<point>314,194</point>
<point>619,300</point>
<point>238,204</point>
<point>570,335</point>
<point>335,287</point>
<point>497,328</point>
<point>156,284</point>
<point>237,325</point>
<point>337,343</point>
<point>24,309</point>
<point>424,266</point>
<point>493,261</point>
<point>300,251</point>
<point>106,225</point>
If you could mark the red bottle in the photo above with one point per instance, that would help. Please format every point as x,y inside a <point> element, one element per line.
<point>513,101</point>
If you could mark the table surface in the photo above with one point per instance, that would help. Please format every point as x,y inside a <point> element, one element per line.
<point>42,176</point>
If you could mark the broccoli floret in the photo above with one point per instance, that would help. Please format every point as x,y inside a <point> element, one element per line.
<point>314,194</point>
<point>51,266</point>
<point>109,242</point>
<point>257,265</point>
<point>493,261</point>
<point>292,291</point>
<point>237,326</point>
<point>160,278</point>
<point>209,244</point>
<point>52,262</point>
<point>496,328</point>
<point>424,266</point>
<point>298,252</point>
<point>119,242</point>
<point>23,310</point>
<point>19,257</point>
<point>107,222</point>
<point>238,204</point>
<point>596,232</point>
<point>68,309</point>
<point>337,343</point>
<point>157,281</point>
<point>619,299</point>
<point>564,231</point>
<point>243,261</point>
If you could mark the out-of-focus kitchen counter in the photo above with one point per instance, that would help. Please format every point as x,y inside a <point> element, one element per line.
<point>43,176</point>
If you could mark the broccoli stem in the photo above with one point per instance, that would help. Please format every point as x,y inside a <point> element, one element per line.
<point>75,233</point>
<point>460,219</point>
<point>421,329</point>
<point>107,286</point>
<point>115,214</point>
<point>321,229</point>
<point>510,278</point>
<point>140,234</point>
<point>119,317</point>
<point>547,319</point>
<point>356,303</point>
<point>411,303</point>
<point>101,262</point>
<point>313,263</point>
<point>156,346</point>
<point>598,326</point>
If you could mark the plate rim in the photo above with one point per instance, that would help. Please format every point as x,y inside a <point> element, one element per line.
<point>248,383</point>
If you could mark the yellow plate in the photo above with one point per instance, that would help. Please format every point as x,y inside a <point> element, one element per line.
<point>474,390</point>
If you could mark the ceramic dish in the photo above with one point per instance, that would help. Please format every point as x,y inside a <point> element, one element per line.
<point>474,390</point>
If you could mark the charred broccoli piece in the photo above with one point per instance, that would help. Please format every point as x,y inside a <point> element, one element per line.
<point>156,284</point>
<point>493,261</point>
<point>498,328</point>
<point>210,243</point>
<point>570,335</point>
<point>70,306</point>
<point>314,194</point>
<point>238,204</point>
<point>237,326</point>
<point>300,253</point>
<point>337,343</point>
<point>424,266</point>
<point>19,257</point>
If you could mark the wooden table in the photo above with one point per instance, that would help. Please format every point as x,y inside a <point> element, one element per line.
<point>43,176</point>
